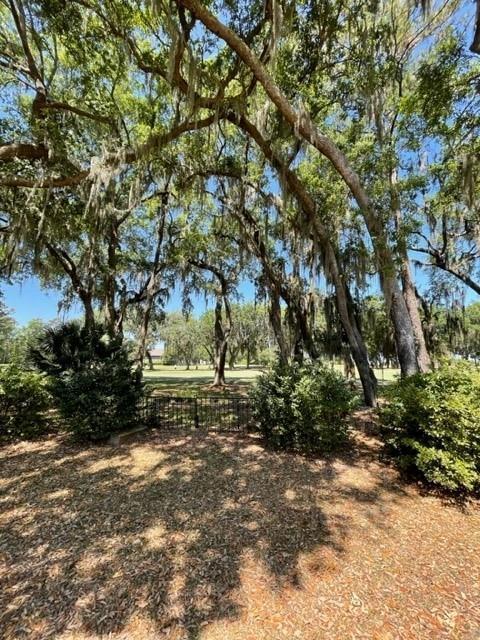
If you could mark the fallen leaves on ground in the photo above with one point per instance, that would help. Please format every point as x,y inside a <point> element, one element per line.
<point>215,537</point>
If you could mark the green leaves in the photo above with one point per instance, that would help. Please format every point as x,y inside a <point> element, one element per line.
<point>24,402</point>
<point>303,408</point>
<point>432,423</point>
<point>91,379</point>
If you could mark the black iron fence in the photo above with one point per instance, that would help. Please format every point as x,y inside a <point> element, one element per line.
<point>213,413</point>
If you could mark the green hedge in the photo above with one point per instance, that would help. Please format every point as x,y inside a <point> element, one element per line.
<point>432,423</point>
<point>303,408</point>
<point>24,403</point>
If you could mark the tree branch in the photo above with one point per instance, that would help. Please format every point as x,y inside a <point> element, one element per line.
<point>64,106</point>
<point>156,140</point>
<point>22,151</point>
<point>44,183</point>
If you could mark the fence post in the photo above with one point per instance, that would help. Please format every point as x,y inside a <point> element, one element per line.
<point>196,418</point>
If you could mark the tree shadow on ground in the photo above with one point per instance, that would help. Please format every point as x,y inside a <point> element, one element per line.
<point>159,528</point>
<point>195,386</point>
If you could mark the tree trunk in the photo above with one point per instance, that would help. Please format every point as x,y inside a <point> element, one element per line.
<point>89,314</point>
<point>220,360</point>
<point>142,340</point>
<point>348,366</point>
<point>231,360</point>
<point>275,315</point>
<point>306,331</point>
<point>305,127</point>
<point>404,338</point>
<point>221,345</point>
<point>353,334</point>
<point>423,357</point>
<point>296,342</point>
<point>150,360</point>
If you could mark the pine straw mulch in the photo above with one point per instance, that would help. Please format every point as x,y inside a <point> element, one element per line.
<point>214,537</point>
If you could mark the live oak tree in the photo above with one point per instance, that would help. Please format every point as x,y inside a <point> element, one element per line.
<point>212,263</point>
<point>404,309</point>
<point>350,128</point>
<point>180,336</point>
<point>303,125</point>
<point>250,332</point>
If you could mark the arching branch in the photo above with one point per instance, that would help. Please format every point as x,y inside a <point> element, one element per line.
<point>22,151</point>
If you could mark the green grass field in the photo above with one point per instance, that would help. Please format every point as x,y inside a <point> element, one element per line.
<point>178,380</point>
<point>170,379</point>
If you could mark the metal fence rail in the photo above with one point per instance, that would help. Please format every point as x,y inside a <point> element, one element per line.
<point>212,413</point>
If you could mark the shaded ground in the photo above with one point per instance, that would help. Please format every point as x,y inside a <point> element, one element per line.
<point>213,537</point>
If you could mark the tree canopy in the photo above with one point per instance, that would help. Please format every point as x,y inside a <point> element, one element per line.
<point>324,150</point>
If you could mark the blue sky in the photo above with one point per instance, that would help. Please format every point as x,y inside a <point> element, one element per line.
<point>28,300</point>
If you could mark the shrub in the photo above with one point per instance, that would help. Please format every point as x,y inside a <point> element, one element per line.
<point>303,408</point>
<point>91,378</point>
<point>432,423</point>
<point>24,402</point>
<point>266,358</point>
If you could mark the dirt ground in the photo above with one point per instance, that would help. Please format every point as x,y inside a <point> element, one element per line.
<point>214,537</point>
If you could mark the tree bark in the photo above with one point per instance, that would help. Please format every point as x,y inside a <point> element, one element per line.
<point>304,126</point>
<point>350,324</point>
<point>221,344</point>
<point>423,357</point>
<point>142,340</point>
<point>231,359</point>
<point>348,366</point>
<point>403,330</point>
<point>308,340</point>
<point>89,314</point>
<point>332,268</point>
<point>150,360</point>
<point>275,316</point>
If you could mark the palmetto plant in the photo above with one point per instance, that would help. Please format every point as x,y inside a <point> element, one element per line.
<point>72,347</point>
<point>92,379</point>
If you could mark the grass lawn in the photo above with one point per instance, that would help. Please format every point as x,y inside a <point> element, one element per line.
<point>169,379</point>
<point>213,537</point>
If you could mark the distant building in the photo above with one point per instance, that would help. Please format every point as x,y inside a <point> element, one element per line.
<point>156,354</point>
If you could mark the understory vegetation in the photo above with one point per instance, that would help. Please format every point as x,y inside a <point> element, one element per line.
<point>277,183</point>
<point>432,424</point>
<point>303,408</point>
<point>24,403</point>
<point>91,378</point>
